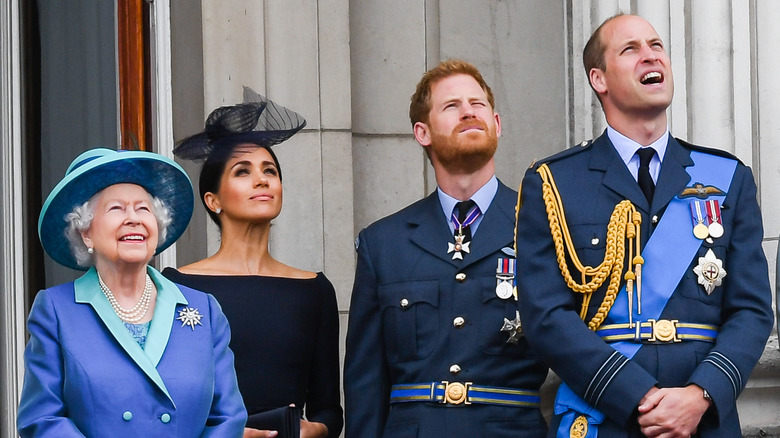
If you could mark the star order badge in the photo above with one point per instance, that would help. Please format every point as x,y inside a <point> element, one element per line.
<point>189,316</point>
<point>514,328</point>
<point>710,271</point>
<point>459,247</point>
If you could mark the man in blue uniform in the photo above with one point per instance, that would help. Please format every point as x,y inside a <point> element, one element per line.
<point>641,276</point>
<point>434,346</point>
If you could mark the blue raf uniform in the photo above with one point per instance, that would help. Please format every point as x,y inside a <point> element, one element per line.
<point>714,335</point>
<point>422,325</point>
<point>87,376</point>
<point>777,280</point>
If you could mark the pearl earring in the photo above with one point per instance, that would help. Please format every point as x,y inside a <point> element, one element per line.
<point>90,250</point>
<point>219,210</point>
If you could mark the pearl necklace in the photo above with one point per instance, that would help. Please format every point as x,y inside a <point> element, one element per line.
<point>135,314</point>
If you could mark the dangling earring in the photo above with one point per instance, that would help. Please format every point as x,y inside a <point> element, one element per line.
<point>90,250</point>
<point>219,210</point>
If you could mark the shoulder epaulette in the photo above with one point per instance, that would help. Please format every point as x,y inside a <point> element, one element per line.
<point>564,153</point>
<point>708,150</point>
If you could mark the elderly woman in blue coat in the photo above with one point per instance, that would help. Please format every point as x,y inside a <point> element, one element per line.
<point>122,351</point>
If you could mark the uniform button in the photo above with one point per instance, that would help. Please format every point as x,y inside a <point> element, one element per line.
<point>455,369</point>
<point>404,303</point>
<point>165,418</point>
<point>460,276</point>
<point>655,219</point>
<point>594,241</point>
<point>127,416</point>
<point>458,322</point>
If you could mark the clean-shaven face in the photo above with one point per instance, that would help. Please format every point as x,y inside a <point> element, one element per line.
<point>638,76</point>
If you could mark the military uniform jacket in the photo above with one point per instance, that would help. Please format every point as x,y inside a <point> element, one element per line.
<point>592,180</point>
<point>85,375</point>
<point>403,259</point>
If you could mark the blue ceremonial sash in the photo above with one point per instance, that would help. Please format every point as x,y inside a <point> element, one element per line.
<point>571,406</point>
<point>661,273</point>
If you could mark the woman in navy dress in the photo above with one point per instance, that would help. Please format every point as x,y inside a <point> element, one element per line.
<point>284,320</point>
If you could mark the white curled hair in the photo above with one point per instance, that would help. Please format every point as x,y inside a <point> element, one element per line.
<point>80,219</point>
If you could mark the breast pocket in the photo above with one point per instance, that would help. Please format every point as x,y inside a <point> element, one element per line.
<point>590,242</point>
<point>410,317</point>
<point>492,312</point>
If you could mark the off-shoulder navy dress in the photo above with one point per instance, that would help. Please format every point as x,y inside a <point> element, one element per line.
<point>285,340</point>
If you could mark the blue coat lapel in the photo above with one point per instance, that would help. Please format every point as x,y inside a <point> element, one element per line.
<point>429,228</point>
<point>617,178</point>
<point>87,290</point>
<point>497,228</point>
<point>672,178</point>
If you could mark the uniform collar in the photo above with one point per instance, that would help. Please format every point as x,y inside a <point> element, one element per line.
<point>627,147</point>
<point>483,197</point>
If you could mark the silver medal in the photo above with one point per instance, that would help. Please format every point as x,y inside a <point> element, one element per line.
<point>716,230</point>
<point>713,211</point>
<point>504,290</point>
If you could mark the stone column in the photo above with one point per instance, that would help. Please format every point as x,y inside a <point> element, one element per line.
<point>710,84</point>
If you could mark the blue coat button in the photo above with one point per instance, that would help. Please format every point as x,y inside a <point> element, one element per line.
<point>127,416</point>
<point>165,418</point>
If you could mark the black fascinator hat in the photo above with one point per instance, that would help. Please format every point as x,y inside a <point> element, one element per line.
<point>257,120</point>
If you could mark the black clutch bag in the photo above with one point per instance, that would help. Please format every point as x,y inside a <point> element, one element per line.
<point>285,420</point>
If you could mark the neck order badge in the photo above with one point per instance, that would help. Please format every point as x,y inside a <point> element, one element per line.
<point>468,212</point>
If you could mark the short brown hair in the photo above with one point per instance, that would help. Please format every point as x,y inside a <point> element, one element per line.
<point>420,107</point>
<point>593,54</point>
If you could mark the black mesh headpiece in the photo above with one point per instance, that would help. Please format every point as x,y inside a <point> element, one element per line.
<point>257,120</point>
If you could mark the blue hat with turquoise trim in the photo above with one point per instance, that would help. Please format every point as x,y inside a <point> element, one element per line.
<point>96,169</point>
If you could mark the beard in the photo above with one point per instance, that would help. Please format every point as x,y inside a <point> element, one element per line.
<point>465,153</point>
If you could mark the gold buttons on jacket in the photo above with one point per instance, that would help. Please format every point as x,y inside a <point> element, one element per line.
<point>460,276</point>
<point>404,303</point>
<point>455,369</point>
<point>458,321</point>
